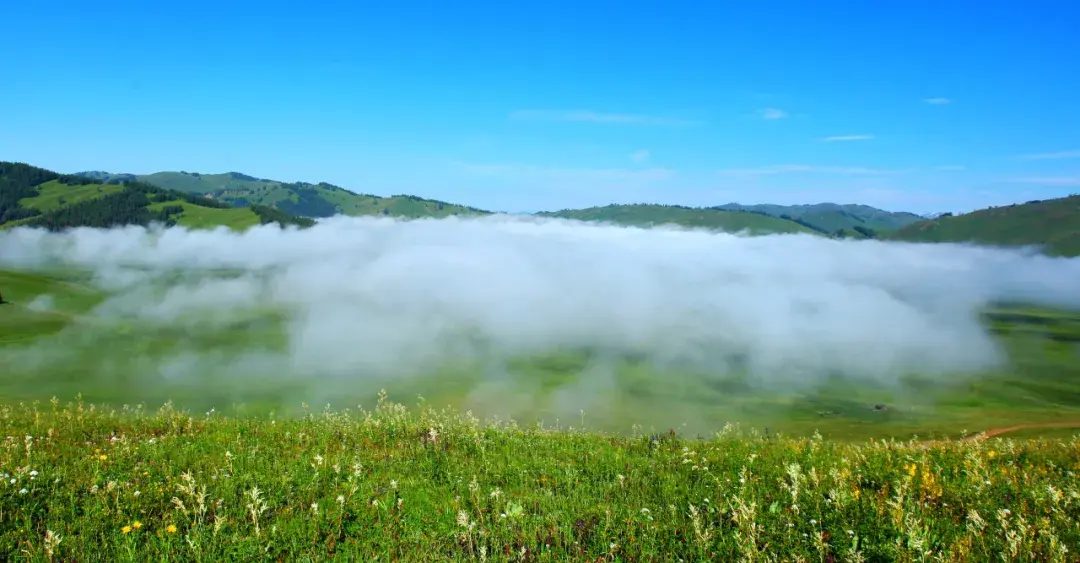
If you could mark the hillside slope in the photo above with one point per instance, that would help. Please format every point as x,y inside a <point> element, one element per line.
<point>297,198</point>
<point>1053,224</point>
<point>832,217</point>
<point>35,197</point>
<point>645,215</point>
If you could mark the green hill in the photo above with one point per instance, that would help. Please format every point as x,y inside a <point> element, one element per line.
<point>646,215</point>
<point>833,217</point>
<point>298,198</point>
<point>1053,224</point>
<point>35,197</point>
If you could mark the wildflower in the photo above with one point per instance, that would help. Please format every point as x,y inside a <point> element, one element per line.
<point>314,508</point>
<point>34,473</point>
<point>341,499</point>
<point>393,483</point>
<point>136,524</point>
<point>126,529</point>
<point>171,528</point>
<point>102,457</point>
<point>23,491</point>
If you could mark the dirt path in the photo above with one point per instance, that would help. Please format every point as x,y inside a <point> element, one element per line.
<point>1007,429</point>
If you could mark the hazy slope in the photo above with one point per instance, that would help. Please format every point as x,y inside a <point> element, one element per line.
<point>832,217</point>
<point>1053,224</point>
<point>35,197</point>
<point>644,215</point>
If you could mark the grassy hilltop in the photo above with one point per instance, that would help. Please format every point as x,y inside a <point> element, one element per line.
<point>833,217</point>
<point>298,198</point>
<point>35,197</point>
<point>1053,224</point>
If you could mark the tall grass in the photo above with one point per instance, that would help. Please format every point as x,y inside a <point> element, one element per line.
<point>92,484</point>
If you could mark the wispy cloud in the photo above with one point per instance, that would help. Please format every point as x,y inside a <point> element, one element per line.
<point>937,101</point>
<point>773,113</point>
<point>1052,155</point>
<point>806,169</point>
<point>589,116</point>
<point>640,156</point>
<point>1049,180</point>
<point>839,138</point>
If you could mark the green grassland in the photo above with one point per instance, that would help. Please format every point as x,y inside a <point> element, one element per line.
<point>1053,224</point>
<point>135,484</point>
<point>645,215</point>
<point>53,195</point>
<point>198,217</point>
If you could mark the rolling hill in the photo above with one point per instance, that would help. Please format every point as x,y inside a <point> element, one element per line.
<point>298,198</point>
<point>1052,224</point>
<point>35,197</point>
<point>645,215</point>
<point>833,217</point>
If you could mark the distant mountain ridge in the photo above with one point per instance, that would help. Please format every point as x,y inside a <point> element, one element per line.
<point>298,198</point>
<point>650,215</point>
<point>33,196</point>
<point>324,200</point>
<point>834,217</point>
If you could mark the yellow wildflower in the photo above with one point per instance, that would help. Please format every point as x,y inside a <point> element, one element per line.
<point>171,528</point>
<point>126,529</point>
<point>136,524</point>
<point>102,457</point>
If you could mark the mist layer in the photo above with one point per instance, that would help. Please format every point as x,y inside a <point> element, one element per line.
<point>370,301</point>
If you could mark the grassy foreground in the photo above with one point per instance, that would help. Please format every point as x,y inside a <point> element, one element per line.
<point>81,483</point>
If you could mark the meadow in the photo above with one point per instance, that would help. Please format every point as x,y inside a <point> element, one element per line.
<point>105,456</point>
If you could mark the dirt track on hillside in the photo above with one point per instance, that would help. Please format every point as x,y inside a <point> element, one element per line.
<point>1007,429</point>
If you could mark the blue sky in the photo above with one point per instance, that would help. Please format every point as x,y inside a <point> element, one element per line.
<point>519,106</point>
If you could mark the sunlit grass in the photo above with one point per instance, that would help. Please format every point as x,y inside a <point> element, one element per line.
<point>88,483</point>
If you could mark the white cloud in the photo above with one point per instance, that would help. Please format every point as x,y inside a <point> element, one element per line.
<point>1059,155</point>
<point>937,101</point>
<point>598,117</point>
<point>366,303</point>
<point>839,138</point>
<point>641,155</point>
<point>805,168</point>
<point>773,113</point>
